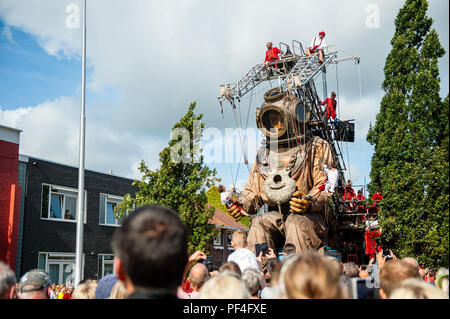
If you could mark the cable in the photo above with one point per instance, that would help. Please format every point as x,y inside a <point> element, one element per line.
<point>231,165</point>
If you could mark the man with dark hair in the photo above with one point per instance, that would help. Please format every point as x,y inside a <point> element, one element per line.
<point>151,252</point>
<point>289,249</point>
<point>35,284</point>
<point>7,282</point>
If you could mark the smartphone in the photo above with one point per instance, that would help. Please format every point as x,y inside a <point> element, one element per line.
<point>265,249</point>
<point>257,249</point>
<point>363,289</point>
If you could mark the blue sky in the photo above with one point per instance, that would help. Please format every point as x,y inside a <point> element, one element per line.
<point>148,60</point>
<point>25,64</point>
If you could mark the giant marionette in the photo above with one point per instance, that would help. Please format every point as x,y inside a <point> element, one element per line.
<point>287,175</point>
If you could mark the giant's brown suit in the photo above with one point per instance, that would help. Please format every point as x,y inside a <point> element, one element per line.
<point>307,231</point>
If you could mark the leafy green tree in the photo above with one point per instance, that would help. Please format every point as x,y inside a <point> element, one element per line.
<point>410,138</point>
<point>181,182</point>
<point>214,199</point>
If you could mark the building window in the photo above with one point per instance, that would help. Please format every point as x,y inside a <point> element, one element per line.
<point>229,237</point>
<point>105,265</point>
<point>218,239</point>
<point>60,203</point>
<point>106,212</point>
<point>60,267</point>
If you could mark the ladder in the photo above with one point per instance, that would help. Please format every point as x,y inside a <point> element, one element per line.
<point>249,81</point>
<point>308,67</point>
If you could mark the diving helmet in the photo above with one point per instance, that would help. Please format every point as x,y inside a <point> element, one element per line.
<point>283,117</point>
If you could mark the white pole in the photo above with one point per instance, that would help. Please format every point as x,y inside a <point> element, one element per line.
<point>81,199</point>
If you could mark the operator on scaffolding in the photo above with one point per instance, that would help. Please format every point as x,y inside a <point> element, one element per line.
<point>361,207</point>
<point>330,109</point>
<point>272,55</point>
<point>317,45</point>
<point>349,195</point>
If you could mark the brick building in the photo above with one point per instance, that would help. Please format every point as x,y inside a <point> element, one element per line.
<point>9,194</point>
<point>48,219</point>
<point>38,201</point>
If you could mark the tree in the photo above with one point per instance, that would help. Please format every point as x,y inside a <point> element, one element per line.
<point>410,138</point>
<point>181,182</point>
<point>214,199</point>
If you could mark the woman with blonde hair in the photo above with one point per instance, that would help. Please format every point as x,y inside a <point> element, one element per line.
<point>85,290</point>
<point>413,288</point>
<point>311,276</point>
<point>118,291</point>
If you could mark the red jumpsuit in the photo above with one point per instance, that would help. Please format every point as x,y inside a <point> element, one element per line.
<point>349,194</point>
<point>371,244</point>
<point>361,208</point>
<point>330,109</point>
<point>376,197</point>
<point>272,55</point>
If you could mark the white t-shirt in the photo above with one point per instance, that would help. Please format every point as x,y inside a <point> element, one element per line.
<point>223,197</point>
<point>317,41</point>
<point>244,258</point>
<point>332,179</point>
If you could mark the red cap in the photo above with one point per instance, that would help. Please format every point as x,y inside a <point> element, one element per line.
<point>322,33</point>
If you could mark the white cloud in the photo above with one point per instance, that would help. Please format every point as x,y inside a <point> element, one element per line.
<point>51,131</point>
<point>160,55</point>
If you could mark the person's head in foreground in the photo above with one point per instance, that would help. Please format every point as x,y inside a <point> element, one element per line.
<point>118,291</point>
<point>198,276</point>
<point>239,239</point>
<point>392,275</point>
<point>35,284</point>
<point>338,266</point>
<point>351,270</point>
<point>151,252</point>
<point>85,290</point>
<point>412,262</point>
<point>414,288</point>
<point>311,276</point>
<point>289,249</point>
<point>232,267</point>
<point>225,285</point>
<point>269,45</point>
<point>273,270</point>
<point>7,282</point>
<point>253,280</point>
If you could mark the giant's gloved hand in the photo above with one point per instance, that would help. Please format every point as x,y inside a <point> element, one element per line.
<point>298,204</point>
<point>235,212</point>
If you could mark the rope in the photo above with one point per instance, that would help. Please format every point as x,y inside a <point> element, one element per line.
<point>223,125</point>
<point>245,135</point>
<point>238,126</point>
<point>362,141</point>
<point>339,112</point>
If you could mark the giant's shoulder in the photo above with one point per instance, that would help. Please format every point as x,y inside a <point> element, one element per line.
<point>319,142</point>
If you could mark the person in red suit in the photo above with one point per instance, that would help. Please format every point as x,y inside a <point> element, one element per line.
<point>272,55</point>
<point>371,245</point>
<point>376,197</point>
<point>349,194</point>
<point>330,109</point>
<point>361,208</point>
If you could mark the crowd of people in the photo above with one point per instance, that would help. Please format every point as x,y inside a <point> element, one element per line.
<point>152,262</point>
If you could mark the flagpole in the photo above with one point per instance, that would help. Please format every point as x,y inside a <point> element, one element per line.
<point>81,197</point>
